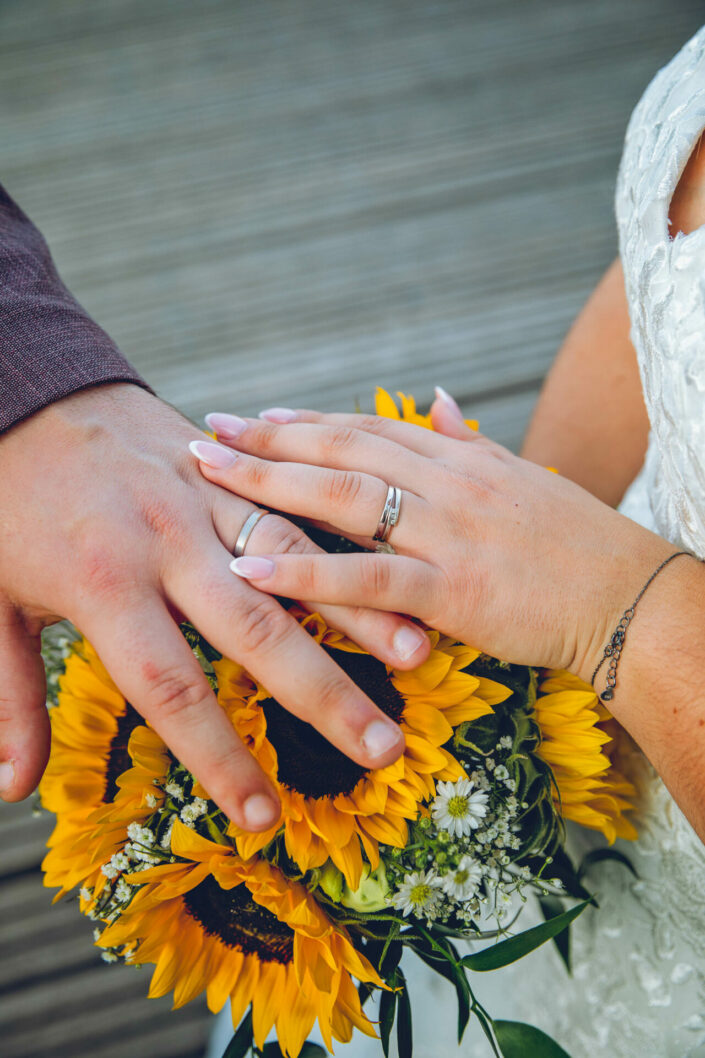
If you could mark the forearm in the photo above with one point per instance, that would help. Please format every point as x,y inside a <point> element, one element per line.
<point>49,346</point>
<point>660,693</point>
<point>590,421</point>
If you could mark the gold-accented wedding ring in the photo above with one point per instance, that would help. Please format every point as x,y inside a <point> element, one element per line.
<point>388,519</point>
<point>246,532</point>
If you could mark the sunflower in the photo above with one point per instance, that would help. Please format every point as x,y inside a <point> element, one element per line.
<point>242,931</point>
<point>386,407</point>
<point>577,745</point>
<point>90,730</point>
<point>332,807</point>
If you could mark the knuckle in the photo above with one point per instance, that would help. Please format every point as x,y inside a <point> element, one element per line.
<point>339,439</point>
<point>261,625</point>
<point>101,575</point>
<point>264,436</point>
<point>284,538</point>
<point>331,694</point>
<point>162,520</point>
<point>173,694</point>
<point>375,576</point>
<point>343,487</point>
<point>374,424</point>
<point>257,473</point>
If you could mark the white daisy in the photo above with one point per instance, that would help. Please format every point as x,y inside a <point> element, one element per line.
<point>458,807</point>
<point>418,894</point>
<point>464,881</point>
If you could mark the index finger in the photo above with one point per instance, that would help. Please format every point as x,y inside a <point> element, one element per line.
<point>421,439</point>
<point>156,671</point>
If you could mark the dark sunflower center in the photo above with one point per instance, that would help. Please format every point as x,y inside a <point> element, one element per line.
<point>118,758</point>
<point>234,917</point>
<point>308,763</point>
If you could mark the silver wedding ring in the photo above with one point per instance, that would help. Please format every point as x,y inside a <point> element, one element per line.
<point>388,519</point>
<point>246,532</point>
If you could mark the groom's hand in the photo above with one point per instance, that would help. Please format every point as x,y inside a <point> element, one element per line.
<point>105,519</point>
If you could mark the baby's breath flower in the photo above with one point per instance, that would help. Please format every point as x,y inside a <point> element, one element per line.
<point>137,833</point>
<point>193,811</point>
<point>175,790</point>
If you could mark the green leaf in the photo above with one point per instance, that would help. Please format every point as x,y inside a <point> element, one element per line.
<point>508,951</point>
<point>241,1042</point>
<point>405,1044</point>
<point>517,1040</point>
<point>387,1010</point>
<point>551,908</point>
<point>597,855</point>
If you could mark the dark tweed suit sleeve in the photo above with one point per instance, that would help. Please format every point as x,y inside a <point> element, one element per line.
<point>49,346</point>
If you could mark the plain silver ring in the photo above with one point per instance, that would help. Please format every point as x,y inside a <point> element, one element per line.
<point>246,531</point>
<point>390,514</point>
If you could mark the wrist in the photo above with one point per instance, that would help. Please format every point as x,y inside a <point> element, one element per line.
<point>635,554</point>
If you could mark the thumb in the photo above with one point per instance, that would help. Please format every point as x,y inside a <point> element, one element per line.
<point>24,721</point>
<point>447,417</point>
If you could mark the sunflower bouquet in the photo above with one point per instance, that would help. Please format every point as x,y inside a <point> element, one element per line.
<point>444,845</point>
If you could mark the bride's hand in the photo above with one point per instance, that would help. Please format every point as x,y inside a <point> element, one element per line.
<point>492,549</point>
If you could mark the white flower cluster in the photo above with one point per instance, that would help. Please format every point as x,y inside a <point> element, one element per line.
<point>462,855</point>
<point>193,811</point>
<point>145,846</point>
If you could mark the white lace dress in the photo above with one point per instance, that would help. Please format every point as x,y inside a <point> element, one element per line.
<point>638,983</point>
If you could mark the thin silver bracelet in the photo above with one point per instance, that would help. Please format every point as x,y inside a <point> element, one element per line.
<point>613,650</point>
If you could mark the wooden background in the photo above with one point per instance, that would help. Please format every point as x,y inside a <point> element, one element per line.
<point>291,201</point>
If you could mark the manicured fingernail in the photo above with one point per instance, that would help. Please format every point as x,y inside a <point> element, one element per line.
<point>225,425</point>
<point>448,401</point>
<point>7,776</point>
<point>214,455</point>
<point>260,811</point>
<point>380,737</point>
<point>252,568</point>
<point>407,641</point>
<point>278,415</point>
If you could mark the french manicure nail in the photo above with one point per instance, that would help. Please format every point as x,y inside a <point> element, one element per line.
<point>448,401</point>
<point>7,776</point>
<point>225,425</point>
<point>407,641</point>
<point>260,811</point>
<point>280,415</point>
<point>252,568</point>
<point>212,454</point>
<point>379,737</point>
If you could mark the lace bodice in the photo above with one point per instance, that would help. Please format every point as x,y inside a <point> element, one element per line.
<point>665,282</point>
